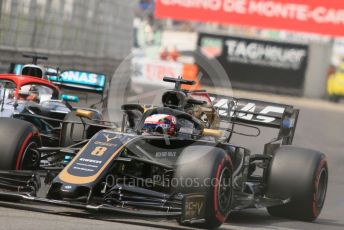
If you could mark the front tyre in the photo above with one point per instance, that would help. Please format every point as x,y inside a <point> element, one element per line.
<point>19,143</point>
<point>209,172</point>
<point>72,130</point>
<point>301,175</point>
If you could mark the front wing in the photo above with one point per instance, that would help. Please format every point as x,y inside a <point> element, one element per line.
<point>31,187</point>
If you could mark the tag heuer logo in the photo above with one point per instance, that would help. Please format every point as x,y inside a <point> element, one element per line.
<point>211,47</point>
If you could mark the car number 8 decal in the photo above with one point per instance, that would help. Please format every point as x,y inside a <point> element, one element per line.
<point>99,151</point>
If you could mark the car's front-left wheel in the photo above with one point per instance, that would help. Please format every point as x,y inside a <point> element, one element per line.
<point>206,170</point>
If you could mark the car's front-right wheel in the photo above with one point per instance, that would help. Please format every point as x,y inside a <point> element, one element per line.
<point>19,143</point>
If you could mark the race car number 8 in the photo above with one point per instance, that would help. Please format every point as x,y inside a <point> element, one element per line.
<point>98,151</point>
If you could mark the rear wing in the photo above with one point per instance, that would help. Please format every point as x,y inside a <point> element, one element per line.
<point>258,113</point>
<point>81,80</point>
<point>74,79</point>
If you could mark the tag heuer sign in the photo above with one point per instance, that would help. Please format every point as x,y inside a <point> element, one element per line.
<point>211,47</point>
<point>256,63</point>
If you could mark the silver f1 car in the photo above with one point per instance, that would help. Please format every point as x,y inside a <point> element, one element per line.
<point>178,161</point>
<point>32,95</point>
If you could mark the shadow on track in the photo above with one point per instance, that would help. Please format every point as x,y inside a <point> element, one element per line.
<point>243,219</point>
<point>152,223</point>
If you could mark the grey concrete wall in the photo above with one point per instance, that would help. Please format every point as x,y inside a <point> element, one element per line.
<point>316,75</point>
<point>84,34</point>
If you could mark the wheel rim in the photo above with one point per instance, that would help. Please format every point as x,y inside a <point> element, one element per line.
<point>31,157</point>
<point>224,191</point>
<point>322,187</point>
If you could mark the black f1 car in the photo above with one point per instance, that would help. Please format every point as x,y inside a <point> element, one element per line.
<point>177,161</point>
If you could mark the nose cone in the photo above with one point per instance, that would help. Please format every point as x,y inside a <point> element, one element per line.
<point>60,191</point>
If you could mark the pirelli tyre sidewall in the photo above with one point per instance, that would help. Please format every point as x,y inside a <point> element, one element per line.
<point>19,141</point>
<point>301,175</point>
<point>211,169</point>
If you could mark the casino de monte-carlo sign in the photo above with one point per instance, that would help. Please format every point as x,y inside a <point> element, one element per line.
<point>324,17</point>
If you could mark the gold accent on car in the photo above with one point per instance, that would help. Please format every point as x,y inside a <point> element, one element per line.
<point>84,113</point>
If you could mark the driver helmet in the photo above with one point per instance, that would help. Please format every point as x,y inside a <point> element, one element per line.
<point>161,123</point>
<point>33,94</point>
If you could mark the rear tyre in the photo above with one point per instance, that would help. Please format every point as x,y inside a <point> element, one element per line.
<point>209,170</point>
<point>301,175</point>
<point>19,141</point>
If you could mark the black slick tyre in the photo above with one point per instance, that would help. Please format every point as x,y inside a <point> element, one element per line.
<point>209,170</point>
<point>300,175</point>
<point>19,141</point>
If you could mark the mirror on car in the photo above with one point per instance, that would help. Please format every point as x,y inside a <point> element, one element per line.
<point>69,98</point>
